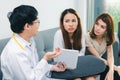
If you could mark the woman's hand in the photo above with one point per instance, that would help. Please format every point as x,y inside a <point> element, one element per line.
<point>105,61</point>
<point>118,70</point>
<point>59,67</point>
<point>53,54</point>
<point>109,75</point>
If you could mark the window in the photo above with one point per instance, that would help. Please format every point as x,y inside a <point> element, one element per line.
<point>113,7</point>
<point>96,7</point>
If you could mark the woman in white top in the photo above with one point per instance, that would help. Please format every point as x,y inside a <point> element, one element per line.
<point>19,59</point>
<point>70,34</point>
<point>59,42</point>
<point>100,39</point>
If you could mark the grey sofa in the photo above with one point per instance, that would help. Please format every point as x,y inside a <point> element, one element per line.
<point>44,43</point>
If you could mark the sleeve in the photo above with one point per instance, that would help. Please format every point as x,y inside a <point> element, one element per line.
<point>25,69</point>
<point>42,70</point>
<point>88,41</point>
<point>58,40</point>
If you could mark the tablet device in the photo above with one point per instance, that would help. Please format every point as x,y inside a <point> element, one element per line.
<point>69,57</point>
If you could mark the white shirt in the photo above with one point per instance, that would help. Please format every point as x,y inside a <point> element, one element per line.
<point>18,64</point>
<point>59,42</point>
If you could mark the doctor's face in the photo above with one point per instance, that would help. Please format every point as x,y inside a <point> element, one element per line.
<point>70,23</point>
<point>35,27</point>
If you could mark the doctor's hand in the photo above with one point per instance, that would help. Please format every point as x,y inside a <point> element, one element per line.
<point>59,67</point>
<point>53,54</point>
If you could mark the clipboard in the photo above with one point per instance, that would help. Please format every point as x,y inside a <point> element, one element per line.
<point>69,57</point>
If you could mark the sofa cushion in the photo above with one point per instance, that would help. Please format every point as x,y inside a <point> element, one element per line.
<point>49,39</point>
<point>44,41</point>
<point>40,45</point>
<point>3,42</point>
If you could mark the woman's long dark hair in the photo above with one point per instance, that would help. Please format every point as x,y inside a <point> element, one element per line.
<point>106,18</point>
<point>77,45</point>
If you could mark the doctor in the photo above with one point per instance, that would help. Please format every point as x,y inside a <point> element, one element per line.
<point>19,59</point>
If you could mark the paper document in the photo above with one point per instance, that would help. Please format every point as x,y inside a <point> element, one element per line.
<point>69,57</point>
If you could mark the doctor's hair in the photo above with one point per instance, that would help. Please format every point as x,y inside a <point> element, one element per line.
<point>20,16</point>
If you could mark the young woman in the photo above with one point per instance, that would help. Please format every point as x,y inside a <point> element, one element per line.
<point>100,39</point>
<point>70,34</point>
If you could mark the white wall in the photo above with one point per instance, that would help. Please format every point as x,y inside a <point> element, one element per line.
<point>49,12</point>
<point>82,10</point>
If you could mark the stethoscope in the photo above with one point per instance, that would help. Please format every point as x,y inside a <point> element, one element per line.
<point>18,43</point>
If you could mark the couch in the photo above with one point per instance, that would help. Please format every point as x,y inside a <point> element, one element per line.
<point>44,43</point>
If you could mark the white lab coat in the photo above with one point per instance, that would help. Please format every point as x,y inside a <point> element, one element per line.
<point>18,64</point>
